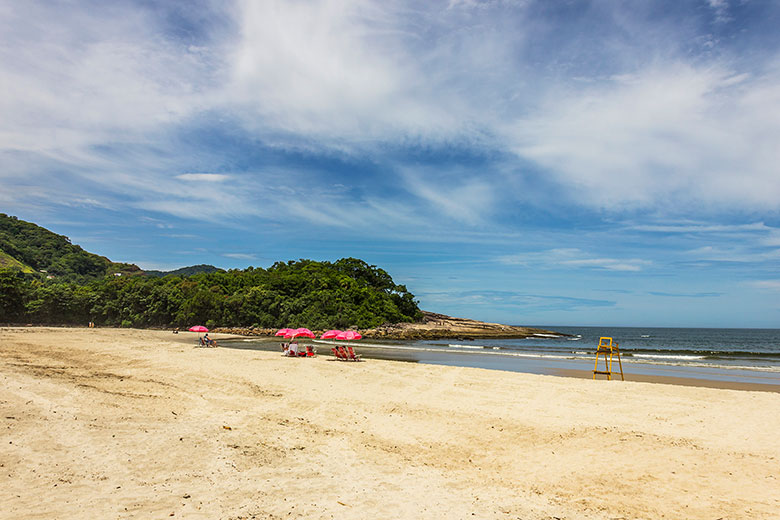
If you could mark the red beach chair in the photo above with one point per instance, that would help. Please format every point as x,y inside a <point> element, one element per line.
<point>310,352</point>
<point>352,355</point>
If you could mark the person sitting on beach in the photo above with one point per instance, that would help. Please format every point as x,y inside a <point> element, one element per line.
<point>209,342</point>
<point>293,348</point>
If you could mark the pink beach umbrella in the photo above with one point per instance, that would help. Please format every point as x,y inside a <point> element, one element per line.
<point>330,334</point>
<point>300,332</point>
<point>283,332</point>
<point>349,335</point>
<point>198,328</point>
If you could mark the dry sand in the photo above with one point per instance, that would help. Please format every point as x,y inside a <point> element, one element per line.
<point>101,423</point>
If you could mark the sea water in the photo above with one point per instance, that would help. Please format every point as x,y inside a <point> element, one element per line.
<point>743,355</point>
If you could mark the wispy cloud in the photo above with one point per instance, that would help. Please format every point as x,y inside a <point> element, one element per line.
<point>687,295</point>
<point>676,134</point>
<point>203,177</point>
<point>574,258</point>
<point>240,256</point>
<point>772,285</point>
<point>720,8</point>
<point>516,300</point>
<point>700,227</point>
<point>341,76</point>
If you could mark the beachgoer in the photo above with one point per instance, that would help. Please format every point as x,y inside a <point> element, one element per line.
<point>209,342</point>
<point>293,348</point>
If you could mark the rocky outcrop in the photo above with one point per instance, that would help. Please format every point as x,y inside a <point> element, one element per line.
<point>435,326</point>
<point>432,326</point>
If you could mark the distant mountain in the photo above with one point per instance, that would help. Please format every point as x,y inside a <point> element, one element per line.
<point>186,271</point>
<point>28,248</point>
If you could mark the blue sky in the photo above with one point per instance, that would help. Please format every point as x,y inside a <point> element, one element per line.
<point>528,162</point>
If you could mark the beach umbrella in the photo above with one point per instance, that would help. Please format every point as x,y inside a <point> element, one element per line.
<point>300,332</point>
<point>330,334</point>
<point>198,329</point>
<point>349,335</point>
<point>282,332</point>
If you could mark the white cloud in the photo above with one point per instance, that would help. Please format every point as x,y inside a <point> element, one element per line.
<point>572,257</point>
<point>733,253</point>
<point>660,132</point>
<point>698,227</point>
<point>720,8</point>
<point>240,256</point>
<point>103,74</point>
<point>203,177</point>
<point>676,136</point>
<point>773,285</point>
<point>458,197</point>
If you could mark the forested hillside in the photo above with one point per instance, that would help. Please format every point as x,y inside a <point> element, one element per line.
<point>28,247</point>
<point>303,293</point>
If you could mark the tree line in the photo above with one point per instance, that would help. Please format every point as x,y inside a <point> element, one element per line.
<point>304,293</point>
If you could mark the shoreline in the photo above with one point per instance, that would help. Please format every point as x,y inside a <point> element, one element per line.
<point>581,369</point>
<point>674,380</point>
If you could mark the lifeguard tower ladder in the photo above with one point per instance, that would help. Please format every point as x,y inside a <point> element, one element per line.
<point>607,346</point>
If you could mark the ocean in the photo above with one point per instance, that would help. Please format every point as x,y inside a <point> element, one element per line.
<point>739,355</point>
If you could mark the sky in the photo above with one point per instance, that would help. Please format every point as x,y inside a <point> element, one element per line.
<point>604,162</point>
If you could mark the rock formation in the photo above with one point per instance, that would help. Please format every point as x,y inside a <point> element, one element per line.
<point>432,326</point>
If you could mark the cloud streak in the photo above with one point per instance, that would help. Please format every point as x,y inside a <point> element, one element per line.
<point>573,258</point>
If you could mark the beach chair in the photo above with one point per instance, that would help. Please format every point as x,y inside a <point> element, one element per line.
<point>344,354</point>
<point>336,353</point>
<point>310,352</point>
<point>352,355</point>
<point>203,342</point>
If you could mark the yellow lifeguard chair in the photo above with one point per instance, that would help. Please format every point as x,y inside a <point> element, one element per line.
<point>607,346</point>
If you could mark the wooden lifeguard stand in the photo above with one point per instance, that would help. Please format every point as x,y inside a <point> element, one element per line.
<point>607,347</point>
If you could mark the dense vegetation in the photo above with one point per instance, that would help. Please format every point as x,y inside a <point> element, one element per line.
<point>28,247</point>
<point>304,293</point>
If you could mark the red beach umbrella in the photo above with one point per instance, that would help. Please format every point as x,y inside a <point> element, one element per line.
<point>330,334</point>
<point>282,332</point>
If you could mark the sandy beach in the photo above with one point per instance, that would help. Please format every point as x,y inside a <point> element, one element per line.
<point>120,423</point>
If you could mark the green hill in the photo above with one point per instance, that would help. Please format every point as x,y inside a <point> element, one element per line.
<point>185,271</point>
<point>28,248</point>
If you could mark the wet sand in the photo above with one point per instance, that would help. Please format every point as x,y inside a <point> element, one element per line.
<point>671,380</point>
<point>107,423</point>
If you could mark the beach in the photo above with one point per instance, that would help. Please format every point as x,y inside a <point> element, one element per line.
<point>122,423</point>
